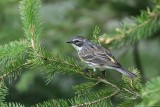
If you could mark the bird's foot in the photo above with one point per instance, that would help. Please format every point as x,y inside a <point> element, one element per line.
<point>89,72</point>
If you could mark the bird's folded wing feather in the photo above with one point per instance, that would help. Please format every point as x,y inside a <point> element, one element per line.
<point>100,58</point>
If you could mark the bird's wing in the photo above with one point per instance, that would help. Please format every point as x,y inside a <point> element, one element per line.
<point>93,59</point>
<point>107,57</point>
<point>98,57</point>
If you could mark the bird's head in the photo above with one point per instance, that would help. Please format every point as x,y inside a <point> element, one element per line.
<point>78,42</point>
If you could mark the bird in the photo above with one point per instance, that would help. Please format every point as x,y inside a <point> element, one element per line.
<point>96,56</point>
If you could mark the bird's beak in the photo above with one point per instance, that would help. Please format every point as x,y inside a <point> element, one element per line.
<point>69,42</point>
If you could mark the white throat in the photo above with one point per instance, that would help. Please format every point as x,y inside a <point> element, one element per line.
<point>76,47</point>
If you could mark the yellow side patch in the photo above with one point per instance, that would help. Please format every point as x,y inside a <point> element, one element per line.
<point>111,59</point>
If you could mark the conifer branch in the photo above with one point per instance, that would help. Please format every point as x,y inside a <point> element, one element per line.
<point>109,83</point>
<point>12,52</point>
<point>3,91</point>
<point>30,15</point>
<point>125,89</point>
<point>119,88</point>
<point>96,101</point>
<point>148,23</point>
<point>144,26</point>
<point>150,93</point>
<point>137,95</point>
<point>12,56</point>
<point>60,63</point>
<point>84,87</point>
<point>12,105</point>
<point>14,70</point>
<point>151,89</point>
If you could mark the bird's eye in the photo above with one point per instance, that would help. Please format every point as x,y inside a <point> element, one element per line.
<point>76,41</point>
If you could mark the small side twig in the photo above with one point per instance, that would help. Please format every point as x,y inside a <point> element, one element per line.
<point>131,92</point>
<point>115,86</point>
<point>96,101</point>
<point>107,82</point>
<point>8,73</point>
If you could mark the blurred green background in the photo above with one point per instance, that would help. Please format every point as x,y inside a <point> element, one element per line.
<point>62,19</point>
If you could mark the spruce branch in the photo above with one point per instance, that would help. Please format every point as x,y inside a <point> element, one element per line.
<point>119,88</point>
<point>151,87</point>
<point>64,64</point>
<point>12,105</point>
<point>150,93</point>
<point>8,73</point>
<point>122,89</point>
<point>12,52</point>
<point>96,101</point>
<point>107,82</point>
<point>3,91</point>
<point>45,61</point>
<point>126,88</point>
<point>30,15</point>
<point>127,103</point>
<point>32,26</point>
<point>144,26</point>
<point>82,88</point>
<point>53,103</point>
<point>12,55</point>
<point>92,96</point>
<point>96,34</point>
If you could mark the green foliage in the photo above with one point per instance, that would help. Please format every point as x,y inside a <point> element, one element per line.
<point>91,98</point>
<point>96,34</point>
<point>53,103</point>
<point>84,87</point>
<point>50,64</point>
<point>127,103</point>
<point>12,56</point>
<point>30,16</point>
<point>9,53</point>
<point>149,92</point>
<point>12,105</point>
<point>141,27</point>
<point>134,84</point>
<point>3,91</point>
<point>16,56</point>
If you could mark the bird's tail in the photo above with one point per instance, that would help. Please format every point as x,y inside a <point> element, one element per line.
<point>126,72</point>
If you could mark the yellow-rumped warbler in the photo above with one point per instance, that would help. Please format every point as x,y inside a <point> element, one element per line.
<point>96,56</point>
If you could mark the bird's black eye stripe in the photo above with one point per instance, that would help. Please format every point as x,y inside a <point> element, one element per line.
<point>76,41</point>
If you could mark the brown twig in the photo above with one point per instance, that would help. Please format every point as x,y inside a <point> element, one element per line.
<point>131,92</point>
<point>96,101</point>
<point>107,82</point>
<point>115,86</point>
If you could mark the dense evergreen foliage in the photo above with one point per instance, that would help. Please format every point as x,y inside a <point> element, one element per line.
<point>96,91</point>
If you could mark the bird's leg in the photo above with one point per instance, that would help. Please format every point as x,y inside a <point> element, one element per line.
<point>104,73</point>
<point>94,69</point>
